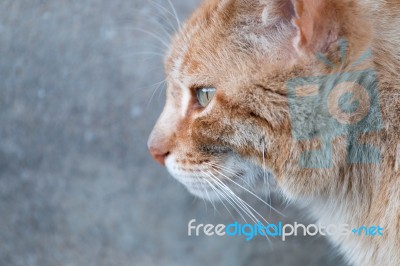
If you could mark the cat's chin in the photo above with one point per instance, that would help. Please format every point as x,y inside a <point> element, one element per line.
<point>205,194</point>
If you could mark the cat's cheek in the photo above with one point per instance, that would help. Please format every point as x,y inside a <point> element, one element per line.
<point>192,180</point>
<point>179,171</point>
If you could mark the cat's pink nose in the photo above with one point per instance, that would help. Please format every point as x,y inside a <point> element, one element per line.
<point>158,149</point>
<point>158,155</point>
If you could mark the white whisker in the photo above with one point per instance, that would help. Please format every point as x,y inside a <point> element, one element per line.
<point>228,198</point>
<point>205,203</point>
<point>175,29</point>
<point>153,35</point>
<point>144,53</point>
<point>238,200</point>
<point>265,178</point>
<point>253,194</point>
<point>208,195</point>
<point>175,14</point>
<point>218,195</point>
<point>222,168</point>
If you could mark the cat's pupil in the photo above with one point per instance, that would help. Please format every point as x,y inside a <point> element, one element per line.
<point>205,95</point>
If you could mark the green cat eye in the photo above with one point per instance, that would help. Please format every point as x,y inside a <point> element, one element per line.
<point>205,95</point>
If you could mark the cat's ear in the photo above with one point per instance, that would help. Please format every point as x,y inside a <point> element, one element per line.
<point>317,25</point>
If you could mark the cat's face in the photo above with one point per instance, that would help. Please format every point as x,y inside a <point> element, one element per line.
<point>212,124</point>
<point>226,118</point>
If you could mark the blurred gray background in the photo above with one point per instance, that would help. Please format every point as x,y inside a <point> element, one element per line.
<point>80,89</point>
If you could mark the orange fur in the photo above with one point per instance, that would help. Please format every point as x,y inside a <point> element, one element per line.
<point>248,50</point>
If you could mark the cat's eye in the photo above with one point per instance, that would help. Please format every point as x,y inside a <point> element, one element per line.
<point>205,95</point>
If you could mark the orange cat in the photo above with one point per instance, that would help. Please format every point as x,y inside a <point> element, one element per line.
<point>307,90</point>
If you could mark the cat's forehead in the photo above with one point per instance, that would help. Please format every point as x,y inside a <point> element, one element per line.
<point>220,40</point>
<point>195,42</point>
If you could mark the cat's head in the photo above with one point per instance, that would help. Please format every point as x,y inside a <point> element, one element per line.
<point>226,116</point>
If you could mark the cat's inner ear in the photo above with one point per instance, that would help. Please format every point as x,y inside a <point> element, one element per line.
<point>317,24</point>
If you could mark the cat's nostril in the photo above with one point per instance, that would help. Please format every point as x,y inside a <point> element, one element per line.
<point>158,155</point>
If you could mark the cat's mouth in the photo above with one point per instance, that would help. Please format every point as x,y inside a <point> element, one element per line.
<point>215,181</point>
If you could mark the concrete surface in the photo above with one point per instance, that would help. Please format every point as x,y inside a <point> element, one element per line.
<point>77,186</point>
